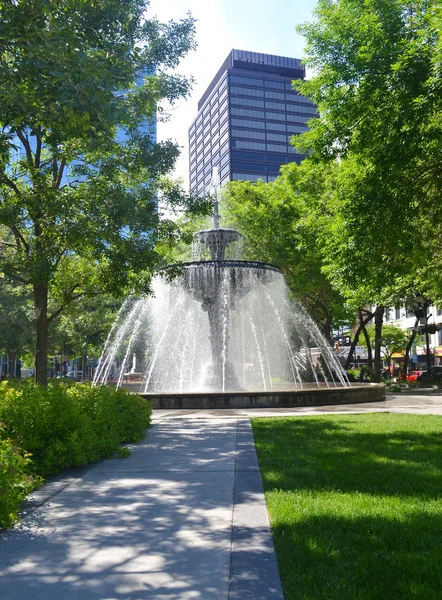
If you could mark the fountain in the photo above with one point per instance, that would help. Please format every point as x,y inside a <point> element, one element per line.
<point>224,333</point>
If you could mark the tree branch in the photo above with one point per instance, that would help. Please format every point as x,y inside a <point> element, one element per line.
<point>27,146</point>
<point>17,278</point>
<point>11,184</point>
<point>38,152</point>
<point>60,172</point>
<point>19,238</point>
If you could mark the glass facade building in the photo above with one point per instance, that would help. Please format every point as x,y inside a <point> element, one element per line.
<point>246,119</point>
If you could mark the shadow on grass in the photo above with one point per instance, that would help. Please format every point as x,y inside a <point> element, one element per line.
<point>356,505</point>
<point>378,454</point>
<point>331,558</point>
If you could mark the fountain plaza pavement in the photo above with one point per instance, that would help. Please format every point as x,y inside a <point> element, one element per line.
<point>183,518</point>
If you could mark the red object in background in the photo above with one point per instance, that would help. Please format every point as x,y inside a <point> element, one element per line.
<point>413,375</point>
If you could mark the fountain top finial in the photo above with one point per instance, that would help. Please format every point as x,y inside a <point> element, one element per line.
<point>215,189</point>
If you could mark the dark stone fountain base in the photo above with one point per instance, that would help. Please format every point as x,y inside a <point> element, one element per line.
<point>310,395</point>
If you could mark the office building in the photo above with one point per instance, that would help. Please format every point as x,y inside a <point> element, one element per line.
<point>246,119</point>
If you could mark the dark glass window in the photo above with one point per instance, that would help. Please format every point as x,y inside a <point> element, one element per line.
<point>279,158</point>
<point>275,105</point>
<point>278,85</point>
<point>276,117</point>
<point>238,166</point>
<point>247,177</point>
<point>253,135</point>
<point>275,95</point>
<point>296,128</point>
<point>246,91</point>
<point>297,118</point>
<point>245,80</point>
<point>276,126</point>
<point>275,148</point>
<point>243,112</point>
<point>276,137</point>
<point>248,155</point>
<point>250,124</point>
<point>272,168</point>
<point>247,102</point>
<point>248,145</point>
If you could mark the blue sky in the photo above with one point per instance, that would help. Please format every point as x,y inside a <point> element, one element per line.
<point>256,25</point>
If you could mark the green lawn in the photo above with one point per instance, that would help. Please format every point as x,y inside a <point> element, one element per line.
<point>355,504</point>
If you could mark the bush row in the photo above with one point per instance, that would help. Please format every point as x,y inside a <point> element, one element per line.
<point>46,430</point>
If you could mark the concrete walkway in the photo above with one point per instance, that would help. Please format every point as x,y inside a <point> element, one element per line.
<point>182,518</point>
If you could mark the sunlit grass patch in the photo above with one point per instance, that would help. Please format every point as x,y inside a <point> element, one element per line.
<point>355,504</point>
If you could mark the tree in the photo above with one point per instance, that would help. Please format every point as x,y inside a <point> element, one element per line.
<point>377,86</point>
<point>72,191</point>
<point>16,322</point>
<point>280,226</point>
<point>393,339</point>
<point>82,328</point>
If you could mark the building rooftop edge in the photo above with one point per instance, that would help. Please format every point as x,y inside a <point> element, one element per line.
<point>279,65</point>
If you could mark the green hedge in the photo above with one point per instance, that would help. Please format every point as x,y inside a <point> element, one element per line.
<point>15,480</point>
<point>67,424</point>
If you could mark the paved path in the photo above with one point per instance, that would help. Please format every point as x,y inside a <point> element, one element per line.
<point>182,518</point>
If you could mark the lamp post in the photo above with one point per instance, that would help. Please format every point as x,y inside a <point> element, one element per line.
<point>421,314</point>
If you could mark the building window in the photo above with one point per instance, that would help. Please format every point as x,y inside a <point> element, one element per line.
<point>275,95</point>
<point>254,135</point>
<point>275,105</point>
<point>275,148</point>
<point>245,80</point>
<point>225,170</point>
<point>243,112</point>
<point>278,85</point>
<point>247,177</point>
<point>276,116</point>
<point>397,314</point>
<point>248,145</point>
<point>224,159</point>
<point>296,129</point>
<point>276,137</point>
<point>298,99</point>
<point>247,102</point>
<point>249,124</point>
<point>246,91</point>
<point>306,110</point>
<point>275,126</point>
<point>296,118</point>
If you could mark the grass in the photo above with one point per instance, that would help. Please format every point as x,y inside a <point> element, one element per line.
<point>355,504</point>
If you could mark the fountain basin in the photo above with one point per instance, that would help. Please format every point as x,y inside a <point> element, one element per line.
<point>309,395</point>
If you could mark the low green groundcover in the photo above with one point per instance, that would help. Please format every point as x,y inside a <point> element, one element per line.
<point>355,504</point>
<point>46,430</point>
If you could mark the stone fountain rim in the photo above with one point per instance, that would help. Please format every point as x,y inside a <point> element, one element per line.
<point>225,263</point>
<point>223,229</point>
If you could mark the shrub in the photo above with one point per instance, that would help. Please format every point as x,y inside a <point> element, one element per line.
<point>69,424</point>
<point>15,481</point>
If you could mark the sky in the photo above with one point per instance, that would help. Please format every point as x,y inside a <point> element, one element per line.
<point>255,25</point>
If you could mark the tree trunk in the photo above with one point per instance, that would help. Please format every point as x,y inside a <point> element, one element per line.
<point>378,320</point>
<point>408,347</point>
<point>11,364</point>
<point>83,364</point>
<point>368,344</point>
<point>41,316</point>
<point>362,324</point>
